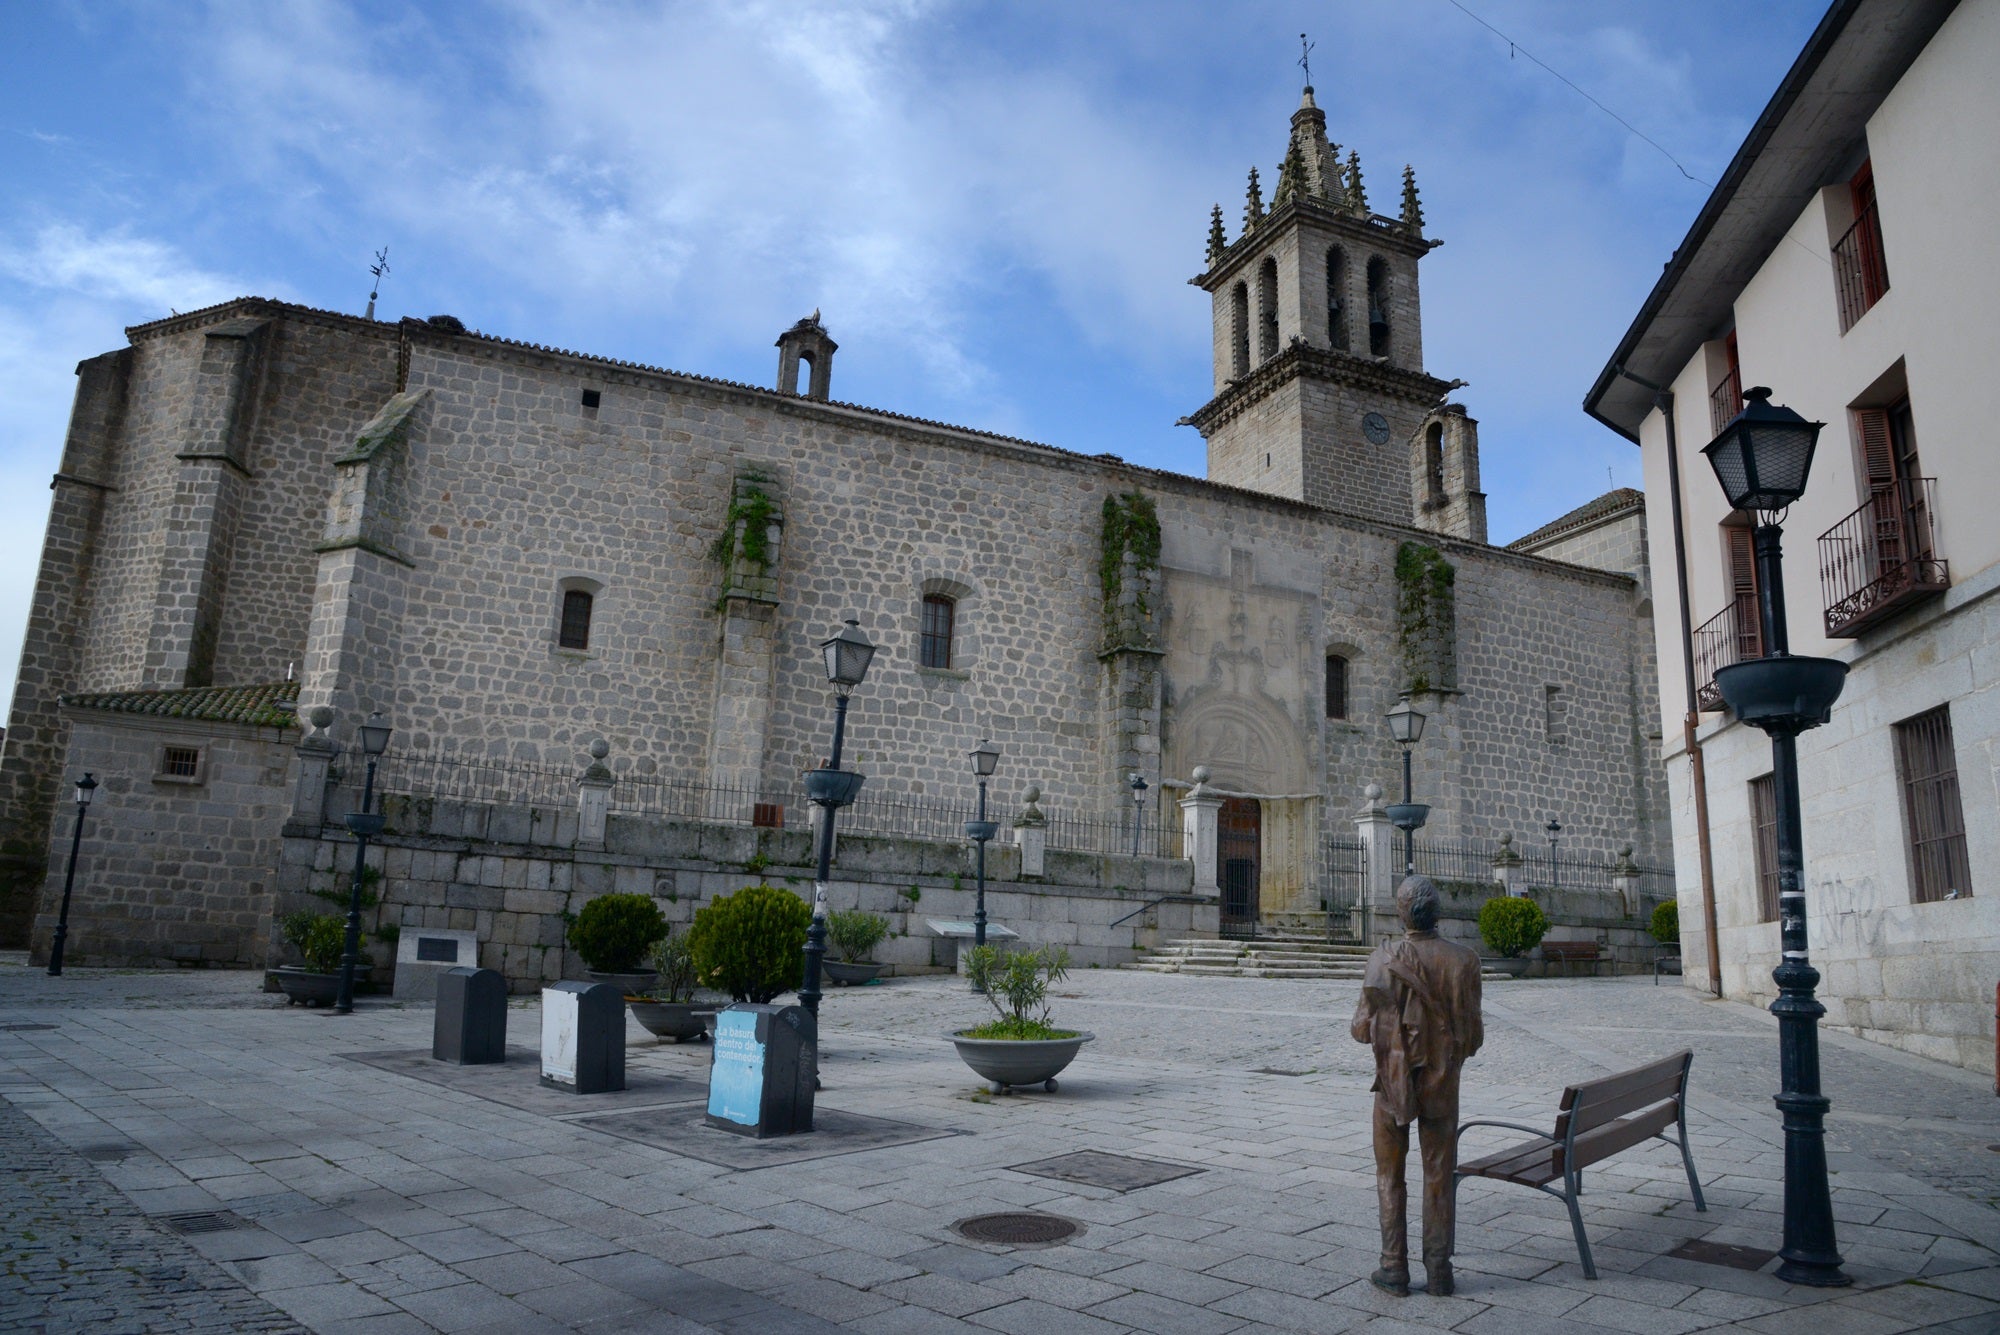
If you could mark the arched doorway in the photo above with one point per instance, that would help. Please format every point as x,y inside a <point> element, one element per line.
<point>1239,850</point>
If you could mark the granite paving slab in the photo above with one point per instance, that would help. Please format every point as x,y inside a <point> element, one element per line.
<point>517,1082</point>
<point>680,1130</point>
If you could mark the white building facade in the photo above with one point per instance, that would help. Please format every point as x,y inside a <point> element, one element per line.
<point>1848,260</point>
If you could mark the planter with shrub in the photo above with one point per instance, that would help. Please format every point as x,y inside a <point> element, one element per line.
<point>751,944</point>
<point>854,934</point>
<point>1511,928</point>
<point>670,1010</point>
<point>1666,929</point>
<point>613,935</point>
<point>320,940</point>
<point>1019,1048</point>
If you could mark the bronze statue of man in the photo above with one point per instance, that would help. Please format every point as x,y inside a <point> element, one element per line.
<point>1419,1009</point>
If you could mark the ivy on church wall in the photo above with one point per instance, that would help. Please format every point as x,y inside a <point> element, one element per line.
<point>1427,617</point>
<point>1128,567</point>
<point>746,534</point>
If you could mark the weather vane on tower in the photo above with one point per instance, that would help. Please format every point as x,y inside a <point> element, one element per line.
<point>378,268</point>
<point>1305,58</point>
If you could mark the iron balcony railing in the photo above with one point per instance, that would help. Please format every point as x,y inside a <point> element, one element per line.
<point>1860,271</point>
<point>1725,401</point>
<point>1730,636</point>
<point>1881,558</point>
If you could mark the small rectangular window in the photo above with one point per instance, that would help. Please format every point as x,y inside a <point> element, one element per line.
<point>591,398</point>
<point>1764,823</point>
<point>1336,686</point>
<point>575,630</point>
<point>935,648</point>
<point>179,764</point>
<point>1933,820</point>
<point>1555,715</point>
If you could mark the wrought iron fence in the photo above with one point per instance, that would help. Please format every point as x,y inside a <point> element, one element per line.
<point>1881,557</point>
<point>1343,885</point>
<point>1860,272</point>
<point>1159,834</point>
<point>449,777</point>
<point>1732,635</point>
<point>1465,860</point>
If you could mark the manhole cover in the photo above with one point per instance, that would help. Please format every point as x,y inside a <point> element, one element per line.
<point>1094,1168</point>
<point>108,1153</point>
<point>1723,1253</point>
<point>200,1221</point>
<point>1016,1230</point>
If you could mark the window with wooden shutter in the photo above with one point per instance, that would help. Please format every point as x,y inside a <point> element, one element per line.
<point>1933,819</point>
<point>1764,826</point>
<point>1739,548</point>
<point>1860,268</point>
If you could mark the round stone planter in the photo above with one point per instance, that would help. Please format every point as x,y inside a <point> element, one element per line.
<point>303,987</point>
<point>1514,966</point>
<point>843,974</point>
<point>629,984</point>
<point>681,1021</point>
<point>1007,1062</point>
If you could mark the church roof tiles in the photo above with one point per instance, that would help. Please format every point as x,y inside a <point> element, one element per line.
<point>269,705</point>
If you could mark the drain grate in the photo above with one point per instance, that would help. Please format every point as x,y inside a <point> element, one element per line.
<point>22,1028</point>
<point>201,1221</point>
<point>1017,1229</point>
<point>1723,1253</point>
<point>1094,1168</point>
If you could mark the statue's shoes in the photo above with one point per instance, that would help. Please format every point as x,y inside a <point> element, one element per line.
<point>1392,1281</point>
<point>1437,1281</point>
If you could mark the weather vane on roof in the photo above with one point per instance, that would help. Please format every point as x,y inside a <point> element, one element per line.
<point>378,268</point>
<point>1305,58</point>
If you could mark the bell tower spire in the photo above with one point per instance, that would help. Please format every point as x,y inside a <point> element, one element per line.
<point>1320,388</point>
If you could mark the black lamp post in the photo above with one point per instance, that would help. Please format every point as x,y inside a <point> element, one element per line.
<point>1762,458</point>
<point>1554,831</point>
<point>1138,782</point>
<point>830,788</point>
<point>86,788</point>
<point>985,759</point>
<point>365,825</point>
<point>1406,725</point>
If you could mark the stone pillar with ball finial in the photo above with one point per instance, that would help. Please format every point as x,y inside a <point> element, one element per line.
<point>1200,818</point>
<point>593,797</point>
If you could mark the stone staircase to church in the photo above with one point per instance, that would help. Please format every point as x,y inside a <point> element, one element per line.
<point>1271,954</point>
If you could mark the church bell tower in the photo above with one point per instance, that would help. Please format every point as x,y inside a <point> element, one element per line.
<point>1320,390</point>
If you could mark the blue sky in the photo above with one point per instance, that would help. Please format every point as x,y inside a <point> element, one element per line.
<point>996,206</point>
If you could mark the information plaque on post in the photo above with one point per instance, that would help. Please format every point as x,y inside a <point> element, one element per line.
<point>583,1038</point>
<point>760,1071</point>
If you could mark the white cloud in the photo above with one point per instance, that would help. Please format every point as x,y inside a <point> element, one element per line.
<point>143,277</point>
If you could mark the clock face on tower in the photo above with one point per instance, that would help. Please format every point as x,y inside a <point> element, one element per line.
<point>1376,428</point>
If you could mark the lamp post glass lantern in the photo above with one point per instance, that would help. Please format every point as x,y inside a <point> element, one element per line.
<point>1406,725</point>
<point>1554,831</point>
<point>846,657</point>
<point>86,788</point>
<point>365,825</point>
<point>1138,782</point>
<point>1761,460</point>
<point>985,759</point>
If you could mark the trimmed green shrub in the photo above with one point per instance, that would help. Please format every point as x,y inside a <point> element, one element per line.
<point>751,944</point>
<point>614,932</point>
<point>854,933</point>
<point>1512,927</point>
<point>1666,924</point>
<point>320,939</point>
<point>675,965</point>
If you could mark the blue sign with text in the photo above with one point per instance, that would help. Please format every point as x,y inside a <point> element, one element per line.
<point>736,1069</point>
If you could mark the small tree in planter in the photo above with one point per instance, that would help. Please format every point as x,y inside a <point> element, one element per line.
<point>1019,1048</point>
<point>1666,929</point>
<point>751,944</point>
<point>670,1011</point>
<point>320,940</point>
<point>853,934</point>
<point>1512,927</point>
<point>613,934</point>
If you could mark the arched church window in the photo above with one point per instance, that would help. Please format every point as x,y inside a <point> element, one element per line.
<point>934,645</point>
<point>1378,307</point>
<point>1239,330</point>
<point>1336,298</point>
<point>1267,309</point>
<point>574,633</point>
<point>1336,686</point>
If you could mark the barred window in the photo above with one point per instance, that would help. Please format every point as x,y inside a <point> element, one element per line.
<point>1336,686</point>
<point>180,762</point>
<point>1764,823</point>
<point>575,630</point>
<point>1933,820</point>
<point>934,650</point>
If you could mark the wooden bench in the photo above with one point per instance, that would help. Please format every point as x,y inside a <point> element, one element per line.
<point>1595,1120</point>
<point>1573,952</point>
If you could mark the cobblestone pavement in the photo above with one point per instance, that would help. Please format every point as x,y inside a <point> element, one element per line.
<point>74,1256</point>
<point>371,1201</point>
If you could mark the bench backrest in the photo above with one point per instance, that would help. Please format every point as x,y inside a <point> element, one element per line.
<point>1601,1117</point>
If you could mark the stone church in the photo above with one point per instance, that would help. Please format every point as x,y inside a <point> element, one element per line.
<point>514,551</point>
